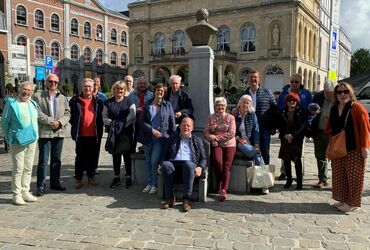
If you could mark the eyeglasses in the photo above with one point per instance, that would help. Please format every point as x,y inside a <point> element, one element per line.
<point>55,82</point>
<point>339,92</point>
<point>291,101</point>
<point>294,81</point>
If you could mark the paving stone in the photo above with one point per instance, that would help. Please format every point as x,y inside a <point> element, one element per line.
<point>309,243</point>
<point>284,242</point>
<point>184,241</point>
<point>131,244</point>
<point>163,238</point>
<point>224,244</point>
<point>334,245</point>
<point>203,243</point>
<point>242,245</point>
<point>155,246</point>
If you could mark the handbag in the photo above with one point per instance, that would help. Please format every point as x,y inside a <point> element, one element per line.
<point>337,147</point>
<point>26,135</point>
<point>122,146</point>
<point>263,176</point>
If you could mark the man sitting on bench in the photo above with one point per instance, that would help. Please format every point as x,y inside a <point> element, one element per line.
<point>183,151</point>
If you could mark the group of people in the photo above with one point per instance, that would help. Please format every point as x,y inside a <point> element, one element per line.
<point>163,123</point>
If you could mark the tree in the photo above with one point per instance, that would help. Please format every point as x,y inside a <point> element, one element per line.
<point>360,62</point>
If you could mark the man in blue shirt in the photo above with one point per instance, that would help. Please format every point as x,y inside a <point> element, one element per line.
<point>183,152</point>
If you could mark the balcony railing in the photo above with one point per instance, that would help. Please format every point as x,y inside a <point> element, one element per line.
<point>169,57</point>
<point>223,54</point>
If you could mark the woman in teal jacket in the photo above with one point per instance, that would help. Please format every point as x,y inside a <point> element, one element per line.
<point>19,123</point>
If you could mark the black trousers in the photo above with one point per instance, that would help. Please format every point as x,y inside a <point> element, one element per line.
<point>87,156</point>
<point>117,159</point>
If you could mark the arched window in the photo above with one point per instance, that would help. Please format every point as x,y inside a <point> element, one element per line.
<point>159,44</point>
<point>55,49</point>
<point>274,78</point>
<point>124,38</point>
<point>274,71</point>
<point>113,59</point>
<point>21,15</point>
<point>39,49</point>
<point>113,36</point>
<point>99,32</point>
<point>22,41</point>
<point>87,55</point>
<point>248,38</point>
<point>39,19</point>
<point>74,53</point>
<point>99,57</point>
<point>74,27</point>
<point>124,61</point>
<point>243,76</point>
<point>55,22</point>
<point>223,38</point>
<point>87,29</point>
<point>178,42</point>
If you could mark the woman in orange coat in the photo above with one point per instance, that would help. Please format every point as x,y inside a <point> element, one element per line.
<point>348,172</point>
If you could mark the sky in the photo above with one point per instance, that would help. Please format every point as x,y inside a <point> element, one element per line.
<point>354,18</point>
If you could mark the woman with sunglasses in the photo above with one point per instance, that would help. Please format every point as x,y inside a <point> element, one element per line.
<point>348,172</point>
<point>292,122</point>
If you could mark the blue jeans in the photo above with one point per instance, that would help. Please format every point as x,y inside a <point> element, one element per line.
<point>153,153</point>
<point>265,138</point>
<point>250,152</point>
<point>52,147</point>
<point>188,175</point>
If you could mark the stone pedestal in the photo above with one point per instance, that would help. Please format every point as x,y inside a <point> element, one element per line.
<point>201,84</point>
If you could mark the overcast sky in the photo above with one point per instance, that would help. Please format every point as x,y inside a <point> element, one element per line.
<point>354,18</point>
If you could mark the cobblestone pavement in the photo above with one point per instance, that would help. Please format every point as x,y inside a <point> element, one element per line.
<point>103,218</point>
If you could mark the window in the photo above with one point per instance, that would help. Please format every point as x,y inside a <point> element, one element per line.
<point>99,32</point>
<point>87,55</point>
<point>55,22</point>
<point>87,29</point>
<point>39,49</point>
<point>124,61</point>
<point>124,38</point>
<point>113,36</point>
<point>39,19</point>
<point>99,57</point>
<point>248,38</point>
<point>22,41</point>
<point>223,38</point>
<point>55,51</point>
<point>74,26</point>
<point>178,42</point>
<point>74,52</point>
<point>159,44</point>
<point>113,59</point>
<point>21,15</point>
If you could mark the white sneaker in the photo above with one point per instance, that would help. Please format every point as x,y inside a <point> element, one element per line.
<point>27,196</point>
<point>338,204</point>
<point>265,190</point>
<point>153,190</point>
<point>346,208</point>
<point>18,200</point>
<point>147,188</point>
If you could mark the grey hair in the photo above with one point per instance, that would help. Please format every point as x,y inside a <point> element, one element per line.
<point>118,84</point>
<point>142,77</point>
<point>174,77</point>
<point>85,80</point>
<point>126,77</point>
<point>329,86</point>
<point>221,99</point>
<point>50,75</point>
<point>22,84</point>
<point>249,98</point>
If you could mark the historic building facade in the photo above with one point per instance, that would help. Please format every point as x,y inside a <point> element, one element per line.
<point>3,46</point>
<point>277,38</point>
<point>84,39</point>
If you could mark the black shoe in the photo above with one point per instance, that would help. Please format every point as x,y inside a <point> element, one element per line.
<point>58,188</point>
<point>96,171</point>
<point>288,184</point>
<point>128,182</point>
<point>282,177</point>
<point>116,182</point>
<point>40,192</point>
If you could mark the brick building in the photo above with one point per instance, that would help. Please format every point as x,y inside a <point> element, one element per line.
<point>84,39</point>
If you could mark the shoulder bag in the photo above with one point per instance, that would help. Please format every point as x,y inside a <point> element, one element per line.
<point>26,135</point>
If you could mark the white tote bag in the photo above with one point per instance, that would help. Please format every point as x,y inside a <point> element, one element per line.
<point>263,176</point>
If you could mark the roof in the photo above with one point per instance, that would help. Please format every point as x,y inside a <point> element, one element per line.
<point>358,81</point>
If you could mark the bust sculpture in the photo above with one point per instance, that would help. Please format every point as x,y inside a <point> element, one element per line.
<point>200,33</point>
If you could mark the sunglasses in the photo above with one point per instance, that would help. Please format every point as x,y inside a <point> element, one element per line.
<point>294,81</point>
<point>291,101</point>
<point>339,92</point>
<point>55,82</point>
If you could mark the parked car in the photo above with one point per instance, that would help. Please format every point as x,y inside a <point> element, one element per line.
<point>363,97</point>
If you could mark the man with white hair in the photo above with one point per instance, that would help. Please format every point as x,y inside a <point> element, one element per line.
<point>180,100</point>
<point>320,138</point>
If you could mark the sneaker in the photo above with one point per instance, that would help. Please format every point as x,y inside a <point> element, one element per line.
<point>92,181</point>
<point>346,208</point>
<point>153,190</point>
<point>18,200</point>
<point>320,184</point>
<point>265,191</point>
<point>116,182</point>
<point>27,196</point>
<point>338,204</point>
<point>147,188</point>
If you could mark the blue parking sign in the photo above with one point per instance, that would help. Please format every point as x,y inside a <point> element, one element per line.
<point>49,62</point>
<point>40,73</point>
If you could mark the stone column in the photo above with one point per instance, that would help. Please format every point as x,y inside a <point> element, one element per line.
<point>201,84</point>
<point>220,76</point>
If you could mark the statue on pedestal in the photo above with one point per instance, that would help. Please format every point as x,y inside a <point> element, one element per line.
<point>200,33</point>
<point>275,36</point>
